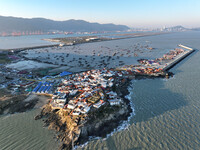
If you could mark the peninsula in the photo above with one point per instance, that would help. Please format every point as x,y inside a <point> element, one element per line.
<point>93,103</point>
<point>86,103</point>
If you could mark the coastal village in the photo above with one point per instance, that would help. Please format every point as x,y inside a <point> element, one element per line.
<point>80,95</point>
<point>79,92</point>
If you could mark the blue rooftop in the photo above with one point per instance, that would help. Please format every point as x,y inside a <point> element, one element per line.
<point>65,73</point>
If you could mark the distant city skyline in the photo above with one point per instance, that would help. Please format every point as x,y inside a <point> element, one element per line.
<point>133,13</point>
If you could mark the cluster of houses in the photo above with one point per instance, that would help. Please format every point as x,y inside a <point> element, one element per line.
<point>153,67</point>
<point>11,79</point>
<point>82,91</point>
<point>142,69</point>
<point>147,62</point>
<point>150,71</point>
<point>172,54</point>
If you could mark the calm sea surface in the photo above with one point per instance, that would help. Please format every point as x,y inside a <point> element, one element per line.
<point>36,40</point>
<point>167,112</point>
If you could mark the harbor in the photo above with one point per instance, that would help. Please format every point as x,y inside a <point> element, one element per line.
<point>178,58</point>
<point>80,87</point>
<point>159,66</point>
<point>85,98</point>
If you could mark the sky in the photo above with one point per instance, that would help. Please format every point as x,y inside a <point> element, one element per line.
<point>133,13</point>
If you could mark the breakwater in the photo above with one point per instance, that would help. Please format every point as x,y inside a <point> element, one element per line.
<point>32,47</point>
<point>179,58</point>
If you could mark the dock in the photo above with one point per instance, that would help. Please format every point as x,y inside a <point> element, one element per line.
<point>179,58</point>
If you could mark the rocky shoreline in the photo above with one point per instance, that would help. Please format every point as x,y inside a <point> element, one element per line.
<point>98,125</point>
<point>100,122</point>
<point>10,104</point>
<point>101,127</point>
<point>17,104</point>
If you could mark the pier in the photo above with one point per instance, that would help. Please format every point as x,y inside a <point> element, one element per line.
<point>171,64</point>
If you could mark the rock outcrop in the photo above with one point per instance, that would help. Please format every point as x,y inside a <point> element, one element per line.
<point>16,104</point>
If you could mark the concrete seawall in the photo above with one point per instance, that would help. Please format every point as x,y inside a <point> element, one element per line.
<point>178,58</point>
<point>32,47</point>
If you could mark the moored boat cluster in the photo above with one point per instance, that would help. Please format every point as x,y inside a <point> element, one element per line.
<point>154,67</point>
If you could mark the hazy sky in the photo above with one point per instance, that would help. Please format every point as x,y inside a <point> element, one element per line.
<point>134,13</point>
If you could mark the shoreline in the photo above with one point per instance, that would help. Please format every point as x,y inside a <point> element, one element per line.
<point>87,131</point>
<point>93,128</point>
<point>101,126</point>
<point>22,103</point>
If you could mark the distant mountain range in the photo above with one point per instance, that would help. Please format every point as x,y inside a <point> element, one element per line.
<point>11,24</point>
<point>24,26</point>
